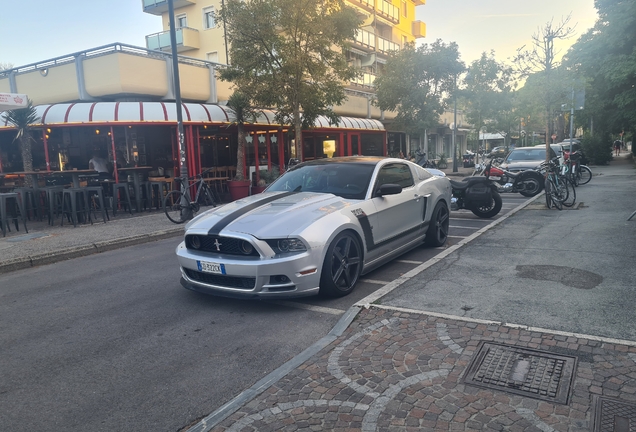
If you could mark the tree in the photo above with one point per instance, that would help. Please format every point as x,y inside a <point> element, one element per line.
<point>415,81</point>
<point>5,66</point>
<point>241,105</point>
<point>290,55</point>
<point>605,57</point>
<point>541,61</point>
<point>486,93</point>
<point>22,119</point>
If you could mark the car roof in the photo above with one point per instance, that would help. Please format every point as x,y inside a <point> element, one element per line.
<point>366,160</point>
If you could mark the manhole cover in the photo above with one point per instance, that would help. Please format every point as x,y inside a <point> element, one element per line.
<point>523,371</point>
<point>614,416</point>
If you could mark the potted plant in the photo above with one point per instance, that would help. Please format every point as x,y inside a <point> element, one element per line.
<point>240,103</point>
<point>266,178</point>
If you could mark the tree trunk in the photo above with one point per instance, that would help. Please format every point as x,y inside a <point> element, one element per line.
<point>298,134</point>
<point>240,154</point>
<point>27,157</point>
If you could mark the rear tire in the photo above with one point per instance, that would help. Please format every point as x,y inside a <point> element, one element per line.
<point>548,193</point>
<point>437,232</point>
<point>532,184</point>
<point>491,210</point>
<point>175,211</point>
<point>342,266</point>
<point>570,198</point>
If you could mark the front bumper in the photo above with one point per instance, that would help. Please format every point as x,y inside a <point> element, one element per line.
<point>252,277</point>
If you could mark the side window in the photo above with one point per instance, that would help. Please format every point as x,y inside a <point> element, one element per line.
<point>395,174</point>
<point>182,21</point>
<point>208,18</point>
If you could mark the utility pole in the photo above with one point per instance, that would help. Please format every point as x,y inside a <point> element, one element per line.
<point>183,167</point>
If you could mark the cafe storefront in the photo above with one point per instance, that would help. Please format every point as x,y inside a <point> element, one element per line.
<point>145,134</point>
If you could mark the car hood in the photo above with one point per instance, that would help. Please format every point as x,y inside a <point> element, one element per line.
<point>521,165</point>
<point>268,214</point>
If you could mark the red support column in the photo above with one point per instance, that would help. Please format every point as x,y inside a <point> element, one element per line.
<point>268,144</point>
<point>341,144</point>
<point>112,143</point>
<point>198,139</point>
<point>256,157</point>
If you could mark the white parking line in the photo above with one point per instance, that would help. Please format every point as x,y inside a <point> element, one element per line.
<point>464,227</point>
<point>374,281</point>
<point>313,308</point>
<point>409,262</point>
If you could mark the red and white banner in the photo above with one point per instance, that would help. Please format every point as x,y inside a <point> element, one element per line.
<point>11,101</point>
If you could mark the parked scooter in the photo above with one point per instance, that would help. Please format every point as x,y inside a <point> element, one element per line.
<point>477,194</point>
<point>528,183</point>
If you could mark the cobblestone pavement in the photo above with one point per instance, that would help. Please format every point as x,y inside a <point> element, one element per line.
<point>398,371</point>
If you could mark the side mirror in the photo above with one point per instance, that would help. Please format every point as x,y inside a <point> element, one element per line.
<point>388,189</point>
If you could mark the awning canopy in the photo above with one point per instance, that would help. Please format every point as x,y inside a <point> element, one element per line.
<point>126,113</point>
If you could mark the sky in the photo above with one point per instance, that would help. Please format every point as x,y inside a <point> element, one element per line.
<point>43,29</point>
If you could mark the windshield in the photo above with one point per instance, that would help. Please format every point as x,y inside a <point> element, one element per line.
<point>535,154</point>
<point>347,180</point>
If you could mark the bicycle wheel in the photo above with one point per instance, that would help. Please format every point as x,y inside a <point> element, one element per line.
<point>576,176</point>
<point>548,193</point>
<point>570,197</point>
<point>586,175</point>
<point>206,197</point>
<point>175,210</point>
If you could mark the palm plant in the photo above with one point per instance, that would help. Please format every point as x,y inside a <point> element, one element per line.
<point>22,119</point>
<point>244,113</point>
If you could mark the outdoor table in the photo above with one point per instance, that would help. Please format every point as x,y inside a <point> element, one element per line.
<point>136,173</point>
<point>76,174</point>
<point>33,174</point>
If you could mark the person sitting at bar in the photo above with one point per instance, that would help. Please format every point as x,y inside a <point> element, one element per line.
<point>100,165</point>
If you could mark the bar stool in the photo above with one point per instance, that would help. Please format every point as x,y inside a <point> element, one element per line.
<point>93,193</point>
<point>6,200</point>
<point>163,186</point>
<point>31,198</point>
<point>121,188</point>
<point>55,200</point>
<point>75,204</point>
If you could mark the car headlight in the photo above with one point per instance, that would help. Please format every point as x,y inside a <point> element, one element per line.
<point>287,245</point>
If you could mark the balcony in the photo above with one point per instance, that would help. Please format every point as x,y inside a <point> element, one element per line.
<point>418,29</point>
<point>365,80</point>
<point>159,7</point>
<point>386,46</point>
<point>389,12</point>
<point>368,4</point>
<point>187,39</point>
<point>365,38</point>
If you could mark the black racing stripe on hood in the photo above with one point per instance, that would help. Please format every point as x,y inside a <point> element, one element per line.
<point>218,227</point>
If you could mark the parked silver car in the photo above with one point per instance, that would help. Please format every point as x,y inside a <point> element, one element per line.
<point>316,229</point>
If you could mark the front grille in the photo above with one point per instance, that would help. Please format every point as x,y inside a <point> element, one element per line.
<point>226,245</point>
<point>238,282</point>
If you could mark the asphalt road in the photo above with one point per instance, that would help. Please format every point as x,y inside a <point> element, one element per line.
<point>112,342</point>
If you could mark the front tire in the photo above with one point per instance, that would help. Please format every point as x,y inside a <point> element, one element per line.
<point>176,212</point>
<point>437,233</point>
<point>585,175</point>
<point>342,266</point>
<point>490,210</point>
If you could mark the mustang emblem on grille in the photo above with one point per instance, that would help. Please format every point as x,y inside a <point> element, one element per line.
<point>218,245</point>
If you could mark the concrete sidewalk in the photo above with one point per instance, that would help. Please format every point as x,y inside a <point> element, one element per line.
<point>452,348</point>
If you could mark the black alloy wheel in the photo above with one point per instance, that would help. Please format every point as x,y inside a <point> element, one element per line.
<point>342,266</point>
<point>437,232</point>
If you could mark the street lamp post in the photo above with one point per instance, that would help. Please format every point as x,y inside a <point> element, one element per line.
<point>455,126</point>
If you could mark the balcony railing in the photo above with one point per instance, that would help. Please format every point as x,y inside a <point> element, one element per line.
<point>158,7</point>
<point>386,45</point>
<point>370,4</point>
<point>366,79</point>
<point>365,38</point>
<point>388,11</point>
<point>187,39</point>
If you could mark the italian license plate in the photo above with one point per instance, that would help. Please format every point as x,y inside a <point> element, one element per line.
<point>210,267</point>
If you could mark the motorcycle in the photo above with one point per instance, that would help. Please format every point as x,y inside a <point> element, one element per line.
<point>477,194</point>
<point>528,183</point>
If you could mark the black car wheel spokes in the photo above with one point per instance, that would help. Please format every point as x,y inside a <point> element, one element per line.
<point>342,267</point>
<point>437,233</point>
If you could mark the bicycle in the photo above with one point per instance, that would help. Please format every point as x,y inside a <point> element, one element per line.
<point>559,190</point>
<point>179,206</point>
<point>581,174</point>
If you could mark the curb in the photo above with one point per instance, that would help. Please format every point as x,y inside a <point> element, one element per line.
<point>80,251</point>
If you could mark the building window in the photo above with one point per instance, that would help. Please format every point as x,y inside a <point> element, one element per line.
<point>404,10</point>
<point>182,21</point>
<point>212,56</point>
<point>209,21</point>
<point>405,41</point>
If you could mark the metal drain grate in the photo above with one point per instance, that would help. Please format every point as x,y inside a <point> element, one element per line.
<point>614,416</point>
<point>523,371</point>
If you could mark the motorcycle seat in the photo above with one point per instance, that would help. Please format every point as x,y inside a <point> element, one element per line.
<point>467,181</point>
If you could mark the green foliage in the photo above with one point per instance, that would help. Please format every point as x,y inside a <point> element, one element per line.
<point>290,55</point>
<point>268,177</point>
<point>23,119</point>
<point>414,83</point>
<point>606,57</point>
<point>597,148</point>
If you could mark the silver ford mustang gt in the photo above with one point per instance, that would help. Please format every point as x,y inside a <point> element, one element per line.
<point>316,229</point>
